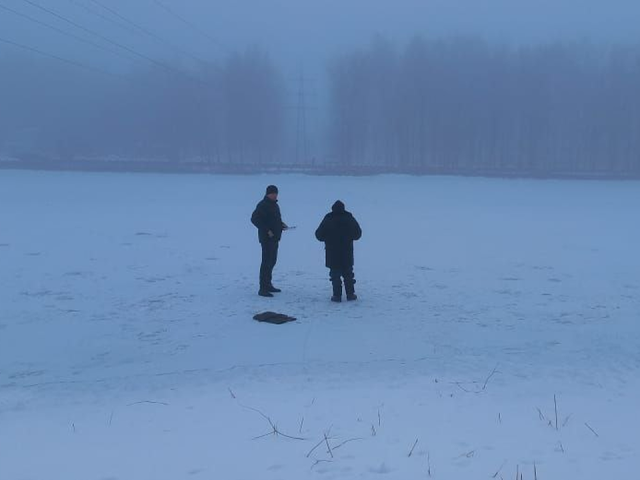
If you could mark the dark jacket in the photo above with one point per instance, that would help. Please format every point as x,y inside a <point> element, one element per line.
<point>338,231</point>
<point>266,217</point>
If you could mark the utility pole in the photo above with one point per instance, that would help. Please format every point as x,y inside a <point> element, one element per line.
<point>302,108</point>
<point>302,139</point>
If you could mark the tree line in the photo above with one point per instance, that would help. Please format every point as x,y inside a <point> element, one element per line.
<point>464,105</point>
<point>227,112</point>
<point>458,105</point>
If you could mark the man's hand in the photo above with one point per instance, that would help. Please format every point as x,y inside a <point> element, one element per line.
<point>270,234</point>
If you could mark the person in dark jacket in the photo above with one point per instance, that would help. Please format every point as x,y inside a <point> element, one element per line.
<point>268,220</point>
<point>338,231</point>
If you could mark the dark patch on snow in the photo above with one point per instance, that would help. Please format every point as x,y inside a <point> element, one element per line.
<point>151,279</point>
<point>26,374</point>
<point>74,274</point>
<point>273,317</point>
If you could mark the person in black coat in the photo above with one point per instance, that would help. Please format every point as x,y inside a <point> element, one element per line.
<point>338,231</point>
<point>268,220</point>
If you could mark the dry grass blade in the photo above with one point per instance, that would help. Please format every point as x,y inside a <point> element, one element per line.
<point>326,440</point>
<point>592,430</point>
<point>413,448</point>
<point>541,415</point>
<point>321,461</point>
<point>314,448</point>
<point>345,442</point>
<point>484,385</point>
<point>495,475</point>
<point>486,382</point>
<point>274,428</point>
<point>468,454</point>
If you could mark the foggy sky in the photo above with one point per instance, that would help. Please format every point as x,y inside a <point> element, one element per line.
<point>304,33</point>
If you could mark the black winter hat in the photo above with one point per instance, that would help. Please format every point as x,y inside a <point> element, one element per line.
<point>338,206</point>
<point>272,189</point>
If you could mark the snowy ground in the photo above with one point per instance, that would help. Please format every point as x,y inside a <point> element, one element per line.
<point>128,351</point>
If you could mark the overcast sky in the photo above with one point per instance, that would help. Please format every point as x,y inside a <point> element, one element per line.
<point>304,33</point>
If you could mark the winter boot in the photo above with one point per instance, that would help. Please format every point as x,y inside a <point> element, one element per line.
<point>272,289</point>
<point>337,292</point>
<point>349,287</point>
<point>265,293</point>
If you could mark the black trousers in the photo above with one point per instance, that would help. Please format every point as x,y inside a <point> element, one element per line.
<point>346,273</point>
<point>269,260</point>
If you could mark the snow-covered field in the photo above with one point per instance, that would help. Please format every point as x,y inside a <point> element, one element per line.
<point>128,349</point>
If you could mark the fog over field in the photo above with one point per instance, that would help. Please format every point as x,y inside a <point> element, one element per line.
<point>497,87</point>
<point>324,240</point>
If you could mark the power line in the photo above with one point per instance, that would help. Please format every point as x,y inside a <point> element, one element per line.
<point>62,32</point>
<point>92,11</point>
<point>106,39</point>
<point>147,32</point>
<point>62,59</point>
<point>192,25</point>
